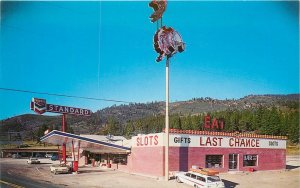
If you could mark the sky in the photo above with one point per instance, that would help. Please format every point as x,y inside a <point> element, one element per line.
<point>105,50</point>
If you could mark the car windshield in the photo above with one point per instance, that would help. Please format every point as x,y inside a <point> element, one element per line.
<point>213,179</point>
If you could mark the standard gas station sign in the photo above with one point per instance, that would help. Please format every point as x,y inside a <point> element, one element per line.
<point>40,106</point>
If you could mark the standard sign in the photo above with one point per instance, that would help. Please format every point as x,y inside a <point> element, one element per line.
<point>40,106</point>
<point>183,140</point>
<point>67,110</point>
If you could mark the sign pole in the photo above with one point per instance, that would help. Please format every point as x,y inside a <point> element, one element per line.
<point>167,42</point>
<point>73,152</point>
<point>167,123</point>
<point>64,127</point>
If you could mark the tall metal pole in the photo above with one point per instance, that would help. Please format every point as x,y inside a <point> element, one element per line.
<point>167,123</point>
<point>64,127</point>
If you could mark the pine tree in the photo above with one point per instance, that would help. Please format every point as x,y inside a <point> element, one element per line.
<point>112,126</point>
<point>186,123</point>
<point>129,130</point>
<point>196,122</point>
<point>293,133</point>
<point>175,122</point>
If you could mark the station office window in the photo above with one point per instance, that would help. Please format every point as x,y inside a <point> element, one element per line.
<point>119,158</point>
<point>250,160</point>
<point>213,161</point>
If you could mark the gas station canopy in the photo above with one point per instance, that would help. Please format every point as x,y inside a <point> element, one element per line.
<point>96,146</point>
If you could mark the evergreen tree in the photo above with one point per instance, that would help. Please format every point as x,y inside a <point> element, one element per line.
<point>263,120</point>
<point>175,122</point>
<point>196,123</point>
<point>112,126</point>
<point>293,132</point>
<point>186,123</point>
<point>274,122</point>
<point>40,132</point>
<point>129,130</point>
<point>70,129</point>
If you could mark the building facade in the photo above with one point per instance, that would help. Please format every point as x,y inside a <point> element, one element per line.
<point>144,154</point>
<point>220,151</point>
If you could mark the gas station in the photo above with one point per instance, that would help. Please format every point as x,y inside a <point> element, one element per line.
<point>79,144</point>
<point>40,106</point>
<point>144,154</point>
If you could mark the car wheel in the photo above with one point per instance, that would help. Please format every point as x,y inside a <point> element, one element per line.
<point>178,179</point>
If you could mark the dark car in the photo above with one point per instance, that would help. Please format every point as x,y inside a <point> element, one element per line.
<point>38,155</point>
<point>54,157</point>
<point>16,156</point>
<point>121,160</point>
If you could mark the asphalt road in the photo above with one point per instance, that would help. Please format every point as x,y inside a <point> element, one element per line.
<point>17,173</point>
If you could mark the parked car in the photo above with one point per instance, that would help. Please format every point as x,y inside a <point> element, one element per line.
<point>16,156</point>
<point>33,161</point>
<point>54,157</point>
<point>48,155</point>
<point>60,169</point>
<point>121,160</point>
<point>198,180</point>
<point>38,155</point>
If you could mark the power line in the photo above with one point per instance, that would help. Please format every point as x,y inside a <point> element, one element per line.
<point>62,95</point>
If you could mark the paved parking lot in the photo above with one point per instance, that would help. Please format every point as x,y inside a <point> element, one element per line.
<point>18,172</point>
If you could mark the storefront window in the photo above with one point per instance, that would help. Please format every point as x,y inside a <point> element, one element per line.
<point>250,160</point>
<point>119,158</point>
<point>213,161</point>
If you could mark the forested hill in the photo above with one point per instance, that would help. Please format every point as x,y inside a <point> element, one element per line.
<point>124,113</point>
<point>267,114</point>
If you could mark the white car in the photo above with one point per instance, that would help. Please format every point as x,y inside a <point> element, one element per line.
<point>60,169</point>
<point>33,161</point>
<point>48,155</point>
<point>199,180</point>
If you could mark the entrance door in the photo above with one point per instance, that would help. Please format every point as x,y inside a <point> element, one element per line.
<point>233,161</point>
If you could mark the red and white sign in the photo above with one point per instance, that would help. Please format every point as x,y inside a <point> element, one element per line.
<point>215,124</point>
<point>185,140</point>
<point>167,42</point>
<point>40,106</point>
<point>149,140</point>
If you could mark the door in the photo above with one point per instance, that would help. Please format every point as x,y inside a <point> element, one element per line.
<point>233,161</point>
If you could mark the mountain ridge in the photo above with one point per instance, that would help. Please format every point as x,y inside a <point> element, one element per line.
<point>29,123</point>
